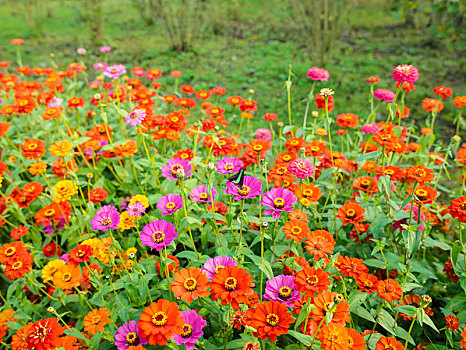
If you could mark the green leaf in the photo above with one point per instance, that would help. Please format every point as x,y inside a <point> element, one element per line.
<point>305,339</point>
<point>362,312</point>
<point>365,156</point>
<point>407,310</point>
<point>187,254</point>
<point>428,321</point>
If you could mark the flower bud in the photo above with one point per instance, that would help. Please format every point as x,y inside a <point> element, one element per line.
<point>211,166</point>
<point>265,225</point>
<point>51,309</point>
<point>280,124</point>
<point>90,175</point>
<point>180,173</point>
<point>315,114</point>
<point>97,96</point>
<point>456,138</point>
<point>326,92</point>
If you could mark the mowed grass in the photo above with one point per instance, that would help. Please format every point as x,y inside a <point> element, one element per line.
<point>256,43</point>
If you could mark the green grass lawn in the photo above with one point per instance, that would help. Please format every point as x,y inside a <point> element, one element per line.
<point>251,52</point>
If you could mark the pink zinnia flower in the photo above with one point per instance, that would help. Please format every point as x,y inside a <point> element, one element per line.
<point>263,135</point>
<point>158,234</point>
<point>201,194</point>
<point>114,71</point>
<point>318,74</point>
<point>282,289</point>
<point>100,66</point>
<point>136,209</point>
<point>384,95</point>
<point>414,215</point>
<point>405,72</point>
<point>301,168</point>
<point>213,265</point>
<point>106,218</point>
<point>370,128</point>
<point>104,49</point>
<point>278,199</point>
<point>170,170</point>
<point>135,117</point>
<point>192,329</point>
<point>228,165</point>
<point>250,189</point>
<point>170,203</point>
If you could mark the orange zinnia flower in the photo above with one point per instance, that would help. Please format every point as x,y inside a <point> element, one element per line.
<point>389,290</point>
<point>296,230</point>
<point>311,280</point>
<point>366,184</point>
<point>351,267</point>
<point>95,320</point>
<point>356,340</point>
<point>318,246</point>
<point>33,148</point>
<point>388,343</point>
<point>9,251</point>
<point>347,120</point>
<point>37,168</point>
<point>44,334</point>
<point>367,283</point>
<point>232,285</point>
<point>67,277</point>
<point>334,337</point>
<point>298,214</point>
<point>18,266</point>
<point>190,284</point>
<point>19,339</point>
<point>160,321</point>
<point>420,174</point>
<point>270,319</point>
<point>308,194</point>
<point>350,213</point>
<point>423,194</point>
<point>340,310</point>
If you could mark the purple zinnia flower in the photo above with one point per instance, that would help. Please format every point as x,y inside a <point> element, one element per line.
<point>100,66</point>
<point>106,218</point>
<point>251,188</point>
<point>213,265</point>
<point>114,71</point>
<point>405,72</point>
<point>370,128</point>
<point>158,234</point>
<point>301,168</point>
<point>55,102</point>
<point>135,117</point>
<point>136,209</point>
<point>64,257</point>
<point>170,203</point>
<point>279,199</point>
<point>201,194</point>
<point>318,74</point>
<point>192,329</point>
<point>128,335</point>
<point>282,289</point>
<point>170,170</point>
<point>104,49</point>
<point>384,95</point>
<point>228,165</point>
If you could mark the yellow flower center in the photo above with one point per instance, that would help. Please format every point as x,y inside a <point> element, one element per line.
<point>67,277</point>
<point>159,318</point>
<point>279,203</point>
<point>190,284</point>
<point>231,283</point>
<point>244,191</point>
<point>284,292</point>
<point>158,236</point>
<point>187,331</point>
<point>272,319</point>
<point>170,205</point>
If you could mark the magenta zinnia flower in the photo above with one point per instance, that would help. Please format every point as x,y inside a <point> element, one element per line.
<point>104,49</point>
<point>384,95</point>
<point>135,117</point>
<point>278,199</point>
<point>405,72</point>
<point>318,74</point>
<point>213,265</point>
<point>158,234</point>
<point>100,66</point>
<point>301,168</point>
<point>136,209</point>
<point>170,203</point>
<point>192,329</point>
<point>414,216</point>
<point>201,194</point>
<point>228,165</point>
<point>106,218</point>
<point>282,288</point>
<point>263,135</point>
<point>371,128</point>
<point>128,335</point>
<point>251,188</point>
<point>169,170</point>
<point>114,71</point>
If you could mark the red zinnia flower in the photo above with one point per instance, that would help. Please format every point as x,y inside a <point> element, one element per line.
<point>452,323</point>
<point>232,285</point>
<point>350,213</point>
<point>388,343</point>
<point>312,280</point>
<point>457,208</point>
<point>389,290</point>
<point>44,334</point>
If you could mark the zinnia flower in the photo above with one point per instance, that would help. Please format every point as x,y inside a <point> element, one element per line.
<point>452,322</point>
<point>136,117</point>
<point>44,334</point>
<point>128,335</point>
<point>350,213</point>
<point>316,73</point>
<point>214,265</point>
<point>232,285</point>
<point>160,321</point>
<point>282,288</point>
<point>301,168</point>
<point>312,280</point>
<point>170,203</point>
<point>250,189</point>
<point>158,234</point>
<point>370,128</point>
<point>201,194</point>
<point>278,199</point>
<point>388,343</point>
<point>457,209</point>
<point>384,95</point>
<point>114,71</point>
<point>389,290</point>
<point>405,72</point>
<point>170,170</point>
<point>96,320</point>
<point>106,218</point>
<point>270,319</point>
<point>334,337</point>
<point>192,329</point>
<point>190,284</point>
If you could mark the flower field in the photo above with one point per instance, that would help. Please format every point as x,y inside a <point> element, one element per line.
<point>140,212</point>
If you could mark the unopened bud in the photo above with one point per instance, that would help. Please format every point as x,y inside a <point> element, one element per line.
<point>180,173</point>
<point>326,92</point>
<point>90,175</point>
<point>339,298</point>
<point>265,225</point>
<point>51,309</point>
<point>280,124</point>
<point>251,92</point>
<point>315,114</point>
<point>456,138</point>
<point>211,166</point>
<point>97,96</point>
